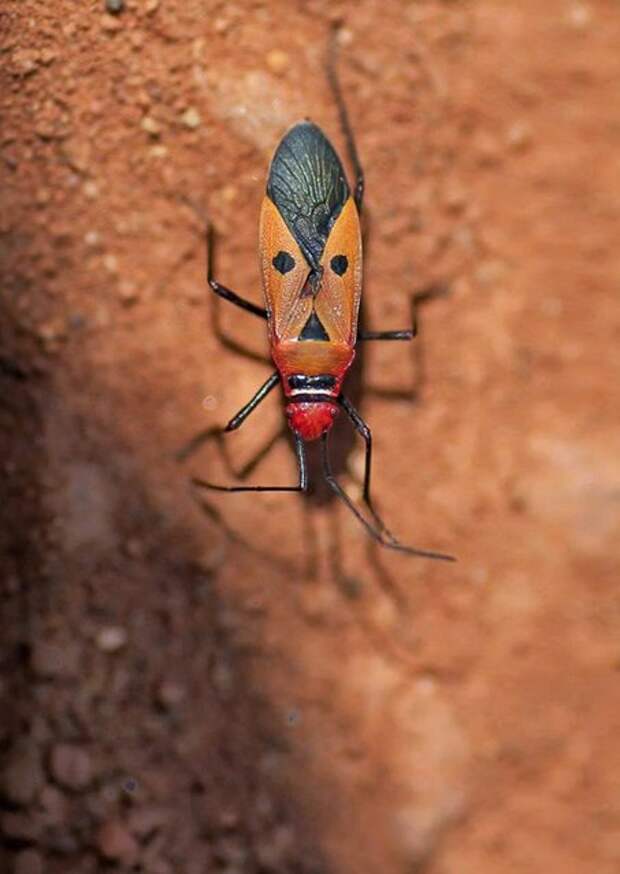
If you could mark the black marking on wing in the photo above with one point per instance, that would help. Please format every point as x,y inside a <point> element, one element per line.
<point>339,264</point>
<point>283,262</point>
<point>313,329</point>
<point>307,184</point>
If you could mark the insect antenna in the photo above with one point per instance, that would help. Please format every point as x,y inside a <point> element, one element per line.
<point>376,533</point>
<point>343,115</point>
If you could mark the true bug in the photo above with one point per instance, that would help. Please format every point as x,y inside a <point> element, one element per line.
<point>311,265</point>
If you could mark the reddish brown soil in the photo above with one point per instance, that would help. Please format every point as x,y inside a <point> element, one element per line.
<point>252,687</point>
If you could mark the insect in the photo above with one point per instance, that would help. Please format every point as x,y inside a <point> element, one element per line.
<point>310,247</point>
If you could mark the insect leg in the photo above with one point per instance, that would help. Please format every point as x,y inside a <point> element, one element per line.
<point>345,124</point>
<point>237,420</point>
<point>362,428</point>
<point>375,533</point>
<point>212,433</point>
<point>260,395</point>
<point>417,301</point>
<point>221,290</point>
<point>233,297</point>
<point>407,334</point>
<point>303,477</point>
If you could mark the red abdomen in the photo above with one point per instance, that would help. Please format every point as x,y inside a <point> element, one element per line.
<point>311,419</point>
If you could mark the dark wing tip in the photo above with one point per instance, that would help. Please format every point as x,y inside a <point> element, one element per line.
<point>308,185</point>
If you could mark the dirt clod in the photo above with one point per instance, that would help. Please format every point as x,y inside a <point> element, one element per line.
<point>116,843</point>
<point>23,774</point>
<point>71,766</point>
<point>112,638</point>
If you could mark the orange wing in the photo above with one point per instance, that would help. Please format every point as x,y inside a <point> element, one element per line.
<point>284,271</point>
<point>337,303</point>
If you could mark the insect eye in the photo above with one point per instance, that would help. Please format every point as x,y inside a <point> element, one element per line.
<point>339,264</point>
<point>283,262</point>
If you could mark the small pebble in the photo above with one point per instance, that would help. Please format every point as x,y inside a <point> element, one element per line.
<point>23,775</point>
<point>91,190</point>
<point>24,61</point>
<point>71,766</point>
<point>53,803</point>
<point>151,126</point>
<point>116,843</point>
<point>110,262</point>
<point>455,198</point>
<point>221,24</point>
<point>170,694</point>
<point>191,118</point>
<point>143,821</point>
<point>114,7</point>
<point>92,238</point>
<point>519,136</point>
<point>111,638</point>
<point>278,61</point>
<point>28,862</point>
<point>47,57</point>
<point>345,36</point>
<point>133,546</point>
<point>110,23</point>
<point>228,193</point>
<point>580,16</point>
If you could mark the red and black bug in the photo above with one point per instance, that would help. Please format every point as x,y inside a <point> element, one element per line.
<point>311,265</point>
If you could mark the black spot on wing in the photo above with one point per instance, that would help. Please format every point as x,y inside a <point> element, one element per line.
<point>339,264</point>
<point>283,262</point>
<point>308,186</point>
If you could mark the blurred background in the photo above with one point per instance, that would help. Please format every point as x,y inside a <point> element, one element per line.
<point>249,685</point>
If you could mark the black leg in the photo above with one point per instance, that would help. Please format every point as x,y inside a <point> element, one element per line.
<point>407,334</point>
<point>362,428</point>
<point>241,302</point>
<point>215,433</point>
<point>417,300</point>
<point>345,124</point>
<point>234,298</point>
<point>221,290</point>
<point>303,477</point>
<point>375,533</point>
<point>260,395</point>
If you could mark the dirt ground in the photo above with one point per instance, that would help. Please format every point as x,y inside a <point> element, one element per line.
<point>250,685</point>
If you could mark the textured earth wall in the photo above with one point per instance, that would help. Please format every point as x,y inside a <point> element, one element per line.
<point>249,685</point>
